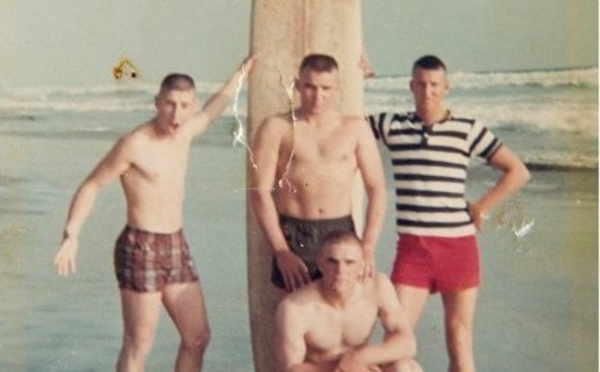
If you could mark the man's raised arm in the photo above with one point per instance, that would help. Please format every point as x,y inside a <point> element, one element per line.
<point>219,101</point>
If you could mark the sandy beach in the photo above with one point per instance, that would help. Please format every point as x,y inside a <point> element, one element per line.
<point>537,308</point>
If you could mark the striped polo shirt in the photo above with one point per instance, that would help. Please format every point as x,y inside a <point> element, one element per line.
<point>430,170</point>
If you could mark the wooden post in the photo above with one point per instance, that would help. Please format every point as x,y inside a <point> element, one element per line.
<point>283,32</point>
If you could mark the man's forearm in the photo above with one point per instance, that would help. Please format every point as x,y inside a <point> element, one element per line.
<point>506,186</point>
<point>393,348</point>
<point>268,218</point>
<point>375,217</point>
<point>79,210</point>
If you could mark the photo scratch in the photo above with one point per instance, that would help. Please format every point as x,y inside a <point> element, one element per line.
<point>514,214</point>
<point>289,92</point>
<point>239,134</point>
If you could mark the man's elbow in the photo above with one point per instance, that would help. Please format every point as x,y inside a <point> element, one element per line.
<point>257,197</point>
<point>377,192</point>
<point>88,188</point>
<point>411,345</point>
<point>526,175</point>
<point>405,344</point>
<point>523,175</point>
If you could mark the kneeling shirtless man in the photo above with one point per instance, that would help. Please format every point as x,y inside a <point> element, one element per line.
<point>326,325</point>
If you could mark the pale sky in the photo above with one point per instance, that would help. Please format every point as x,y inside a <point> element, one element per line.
<point>66,42</point>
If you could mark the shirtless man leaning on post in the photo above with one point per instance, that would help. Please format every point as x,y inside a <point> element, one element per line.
<point>152,261</point>
<point>326,325</point>
<point>307,161</point>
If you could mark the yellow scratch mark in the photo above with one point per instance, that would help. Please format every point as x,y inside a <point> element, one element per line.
<point>125,68</point>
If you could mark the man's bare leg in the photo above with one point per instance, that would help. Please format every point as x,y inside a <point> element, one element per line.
<point>404,365</point>
<point>309,367</point>
<point>329,367</point>
<point>140,313</point>
<point>413,301</point>
<point>459,311</point>
<point>185,304</point>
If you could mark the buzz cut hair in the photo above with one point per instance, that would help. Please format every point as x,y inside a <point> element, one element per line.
<point>318,63</point>
<point>429,62</point>
<point>341,237</point>
<point>177,81</point>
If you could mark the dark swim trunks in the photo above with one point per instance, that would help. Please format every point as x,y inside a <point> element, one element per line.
<point>305,238</point>
<point>147,262</point>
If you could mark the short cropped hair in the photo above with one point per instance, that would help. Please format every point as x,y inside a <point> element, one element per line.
<point>177,81</point>
<point>318,63</point>
<point>341,237</point>
<point>429,62</point>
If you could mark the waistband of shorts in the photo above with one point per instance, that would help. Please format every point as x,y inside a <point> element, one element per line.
<point>438,238</point>
<point>135,230</point>
<point>316,222</point>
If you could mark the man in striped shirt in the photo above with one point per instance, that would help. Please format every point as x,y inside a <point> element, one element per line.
<point>437,249</point>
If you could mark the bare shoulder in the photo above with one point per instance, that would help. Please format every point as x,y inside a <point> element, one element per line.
<point>277,123</point>
<point>382,285</point>
<point>273,129</point>
<point>137,135</point>
<point>381,279</point>
<point>353,120</point>
<point>132,142</point>
<point>302,298</point>
<point>355,124</point>
<point>291,307</point>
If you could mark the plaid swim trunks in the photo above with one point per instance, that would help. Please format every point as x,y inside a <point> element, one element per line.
<point>147,262</point>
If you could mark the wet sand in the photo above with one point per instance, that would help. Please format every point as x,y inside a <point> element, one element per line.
<point>537,307</point>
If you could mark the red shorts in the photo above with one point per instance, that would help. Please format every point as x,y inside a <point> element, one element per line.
<point>437,263</point>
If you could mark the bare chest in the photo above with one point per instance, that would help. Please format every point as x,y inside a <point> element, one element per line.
<point>163,163</point>
<point>328,147</point>
<point>332,329</point>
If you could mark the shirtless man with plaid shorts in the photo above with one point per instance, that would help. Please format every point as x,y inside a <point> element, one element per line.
<point>152,260</point>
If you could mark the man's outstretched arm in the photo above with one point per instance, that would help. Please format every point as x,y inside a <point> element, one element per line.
<point>111,166</point>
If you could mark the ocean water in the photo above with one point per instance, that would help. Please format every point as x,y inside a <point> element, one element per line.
<point>537,308</point>
<point>557,107</point>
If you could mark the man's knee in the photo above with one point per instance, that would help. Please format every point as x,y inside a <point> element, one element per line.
<point>403,365</point>
<point>459,342</point>
<point>459,331</point>
<point>198,341</point>
<point>138,346</point>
